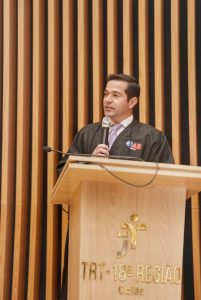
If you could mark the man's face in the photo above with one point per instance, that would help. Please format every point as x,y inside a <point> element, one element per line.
<point>115,101</point>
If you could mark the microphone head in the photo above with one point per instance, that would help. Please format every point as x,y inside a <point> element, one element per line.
<point>106,122</point>
<point>47,149</point>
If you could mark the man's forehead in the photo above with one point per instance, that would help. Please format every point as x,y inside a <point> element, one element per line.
<point>116,85</point>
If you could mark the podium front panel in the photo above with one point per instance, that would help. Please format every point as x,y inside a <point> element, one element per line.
<point>126,242</point>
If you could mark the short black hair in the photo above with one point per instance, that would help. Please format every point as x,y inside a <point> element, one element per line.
<point>133,88</point>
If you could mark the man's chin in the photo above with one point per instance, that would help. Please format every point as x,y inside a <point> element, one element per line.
<point>109,114</point>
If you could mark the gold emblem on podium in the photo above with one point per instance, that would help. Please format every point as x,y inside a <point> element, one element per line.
<point>128,231</point>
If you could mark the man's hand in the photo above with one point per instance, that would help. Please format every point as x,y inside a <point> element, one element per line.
<point>102,150</point>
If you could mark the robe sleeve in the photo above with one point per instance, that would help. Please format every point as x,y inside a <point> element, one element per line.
<point>161,151</point>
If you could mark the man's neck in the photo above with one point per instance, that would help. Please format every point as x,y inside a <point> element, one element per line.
<point>125,122</point>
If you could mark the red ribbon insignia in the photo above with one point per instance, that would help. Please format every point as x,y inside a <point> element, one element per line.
<point>136,146</point>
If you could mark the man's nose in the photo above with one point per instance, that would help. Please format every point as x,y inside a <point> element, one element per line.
<point>108,98</point>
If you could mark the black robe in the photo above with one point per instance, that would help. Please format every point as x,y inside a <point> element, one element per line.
<point>138,141</point>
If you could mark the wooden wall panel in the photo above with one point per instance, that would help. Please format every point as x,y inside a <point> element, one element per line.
<point>143,60</point>
<point>97,25</point>
<point>112,35</point>
<point>52,270</point>
<point>68,36</point>
<point>82,59</point>
<point>1,85</point>
<point>128,37</point>
<point>8,146</point>
<point>23,150</point>
<point>175,80</point>
<point>1,46</point>
<point>192,83</point>
<point>193,143</point>
<point>159,63</point>
<point>37,161</point>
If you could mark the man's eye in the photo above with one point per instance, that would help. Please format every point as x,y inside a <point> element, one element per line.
<point>116,95</point>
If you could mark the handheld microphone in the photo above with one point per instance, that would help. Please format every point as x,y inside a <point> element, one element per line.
<point>106,123</point>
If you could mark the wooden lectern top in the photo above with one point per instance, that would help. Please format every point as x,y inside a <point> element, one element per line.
<point>94,169</point>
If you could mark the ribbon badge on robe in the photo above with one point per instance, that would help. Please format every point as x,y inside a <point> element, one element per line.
<point>136,146</point>
<point>133,145</point>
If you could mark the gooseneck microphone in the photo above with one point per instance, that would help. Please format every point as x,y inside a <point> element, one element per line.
<point>50,149</point>
<point>106,123</point>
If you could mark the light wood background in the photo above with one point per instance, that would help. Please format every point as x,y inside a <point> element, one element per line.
<point>54,57</point>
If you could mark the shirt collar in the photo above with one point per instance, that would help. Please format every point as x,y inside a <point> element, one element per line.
<point>127,121</point>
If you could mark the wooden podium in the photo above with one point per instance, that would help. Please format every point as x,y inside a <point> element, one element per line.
<point>126,240</point>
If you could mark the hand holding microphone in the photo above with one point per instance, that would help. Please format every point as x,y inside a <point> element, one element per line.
<point>103,149</point>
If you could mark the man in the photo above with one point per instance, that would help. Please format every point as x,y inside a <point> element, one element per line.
<point>134,139</point>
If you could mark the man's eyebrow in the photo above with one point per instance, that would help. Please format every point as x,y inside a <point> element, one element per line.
<point>112,91</point>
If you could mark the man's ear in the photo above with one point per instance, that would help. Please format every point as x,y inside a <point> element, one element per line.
<point>133,101</point>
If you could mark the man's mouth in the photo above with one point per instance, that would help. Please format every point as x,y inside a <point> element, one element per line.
<point>108,108</point>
